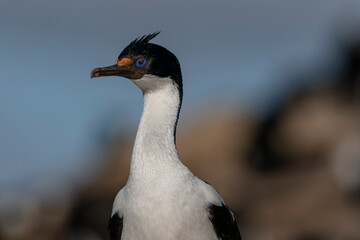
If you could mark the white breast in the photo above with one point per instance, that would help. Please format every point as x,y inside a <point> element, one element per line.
<point>173,210</point>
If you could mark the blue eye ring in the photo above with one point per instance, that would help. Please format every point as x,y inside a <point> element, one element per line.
<point>141,62</point>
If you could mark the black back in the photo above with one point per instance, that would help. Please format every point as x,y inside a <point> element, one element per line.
<point>115,227</point>
<point>224,223</point>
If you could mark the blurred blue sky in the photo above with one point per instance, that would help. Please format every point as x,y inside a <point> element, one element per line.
<point>52,114</point>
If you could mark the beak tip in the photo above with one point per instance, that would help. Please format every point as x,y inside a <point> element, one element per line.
<point>94,73</point>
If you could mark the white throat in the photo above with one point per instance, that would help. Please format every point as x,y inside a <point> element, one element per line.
<point>154,153</point>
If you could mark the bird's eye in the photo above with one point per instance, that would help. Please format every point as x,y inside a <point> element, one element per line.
<point>141,62</point>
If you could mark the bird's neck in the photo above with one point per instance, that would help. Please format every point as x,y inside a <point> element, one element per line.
<point>154,153</point>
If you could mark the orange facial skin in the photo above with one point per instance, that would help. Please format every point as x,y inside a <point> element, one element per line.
<point>124,62</point>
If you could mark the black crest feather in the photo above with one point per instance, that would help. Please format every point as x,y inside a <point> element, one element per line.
<point>143,40</point>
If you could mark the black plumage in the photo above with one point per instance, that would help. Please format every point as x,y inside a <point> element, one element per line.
<point>115,227</point>
<point>224,222</point>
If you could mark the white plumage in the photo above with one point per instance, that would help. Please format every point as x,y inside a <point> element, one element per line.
<point>162,196</point>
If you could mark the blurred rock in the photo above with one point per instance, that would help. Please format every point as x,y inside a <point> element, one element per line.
<point>312,125</point>
<point>306,126</point>
<point>346,163</point>
<point>34,220</point>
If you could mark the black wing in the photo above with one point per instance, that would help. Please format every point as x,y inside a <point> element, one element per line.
<point>224,222</point>
<point>115,227</point>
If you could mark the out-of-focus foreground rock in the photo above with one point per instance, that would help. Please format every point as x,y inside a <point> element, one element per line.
<point>293,176</point>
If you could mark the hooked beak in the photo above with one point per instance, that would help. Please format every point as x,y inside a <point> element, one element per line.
<point>114,70</point>
<point>122,68</point>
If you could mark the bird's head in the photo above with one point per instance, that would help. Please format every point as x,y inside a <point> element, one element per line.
<point>148,65</point>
